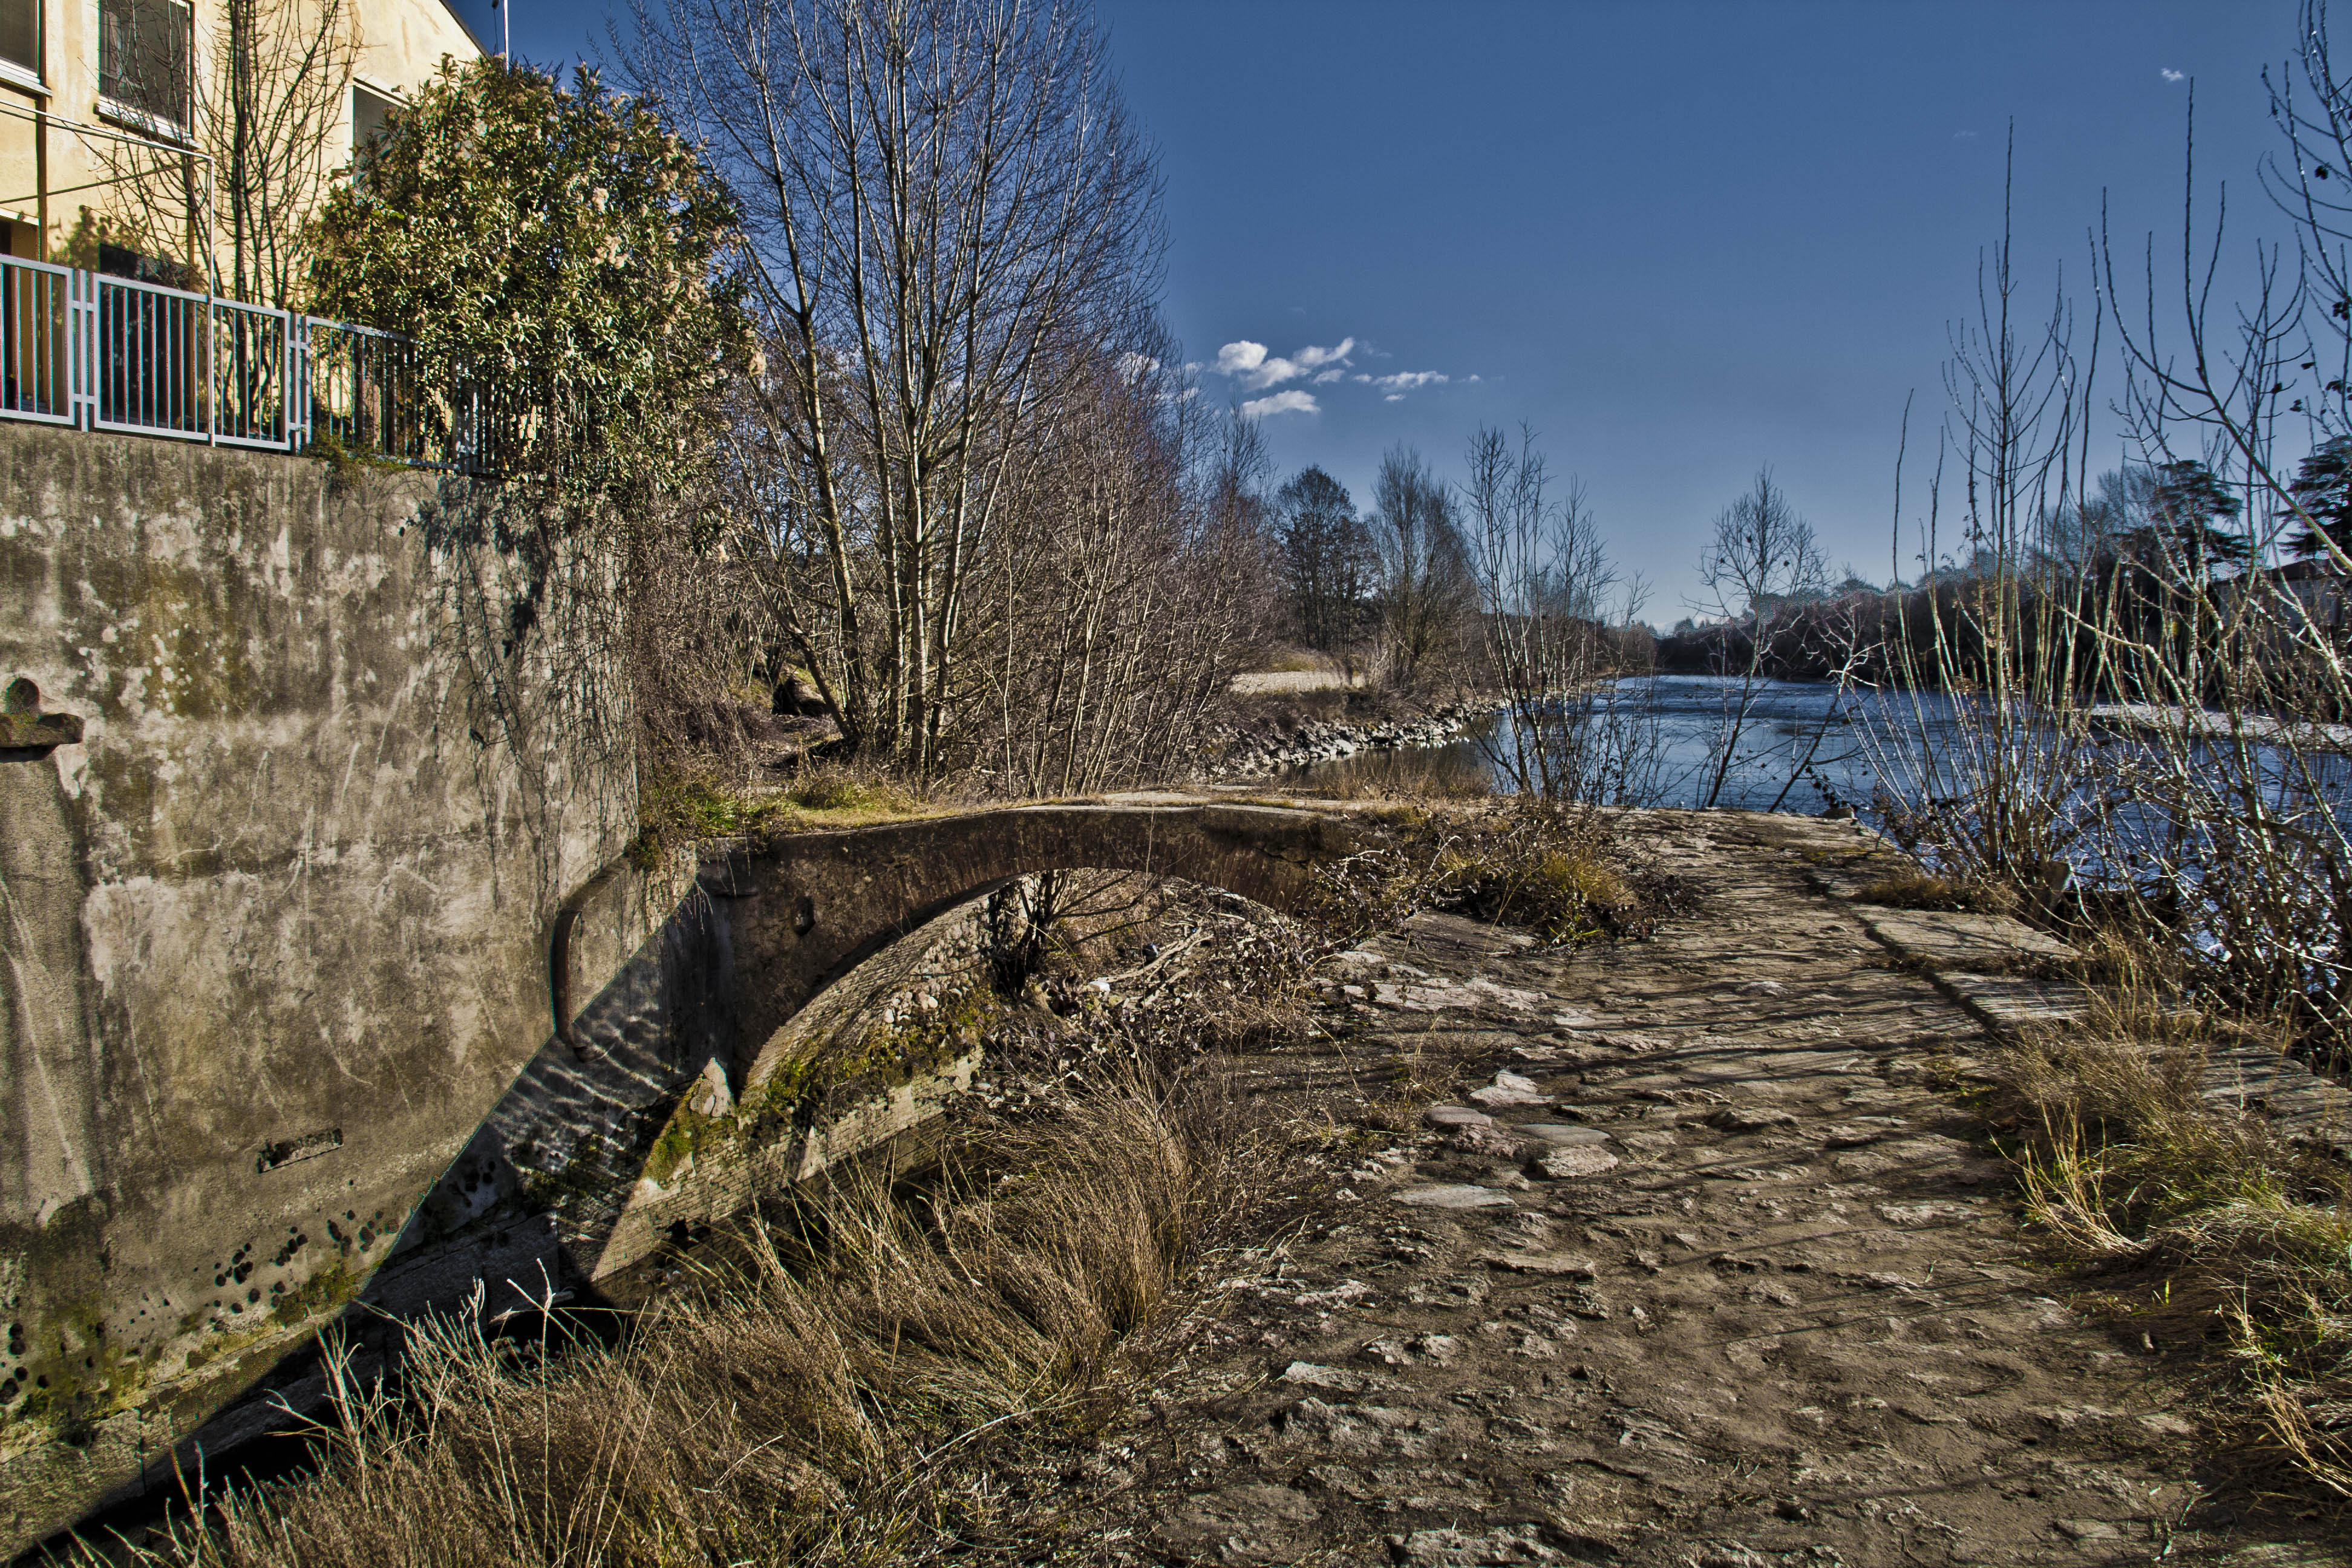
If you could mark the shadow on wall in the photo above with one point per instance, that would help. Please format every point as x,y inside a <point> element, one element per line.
<point>273,922</point>
<point>589,1161</point>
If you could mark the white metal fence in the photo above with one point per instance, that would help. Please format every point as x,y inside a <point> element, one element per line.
<point>98,353</point>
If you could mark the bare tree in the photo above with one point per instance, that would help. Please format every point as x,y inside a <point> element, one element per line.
<point>269,105</point>
<point>2227,829</point>
<point>1425,590</point>
<point>1760,566</point>
<point>950,227</point>
<point>1985,757</point>
<point>1128,589</point>
<point>1545,589</point>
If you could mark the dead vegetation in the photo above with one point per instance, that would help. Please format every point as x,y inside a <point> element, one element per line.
<point>687,800</point>
<point>865,1376</point>
<point>2201,1221</point>
<point>1431,774</point>
<point>1560,872</point>
<point>897,1368</point>
<point>887,1369</point>
<point>1911,887</point>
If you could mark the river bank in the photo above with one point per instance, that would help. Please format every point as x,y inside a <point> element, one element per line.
<point>1689,1250</point>
<point>1279,739</point>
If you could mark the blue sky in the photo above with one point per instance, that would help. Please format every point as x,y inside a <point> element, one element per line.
<point>1681,240</point>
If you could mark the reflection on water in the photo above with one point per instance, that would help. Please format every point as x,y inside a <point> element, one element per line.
<point>1808,746</point>
<point>1797,746</point>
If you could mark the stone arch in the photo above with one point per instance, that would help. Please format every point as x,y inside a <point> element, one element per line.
<point>801,914</point>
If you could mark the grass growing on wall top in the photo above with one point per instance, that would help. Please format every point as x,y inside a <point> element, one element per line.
<point>691,808</point>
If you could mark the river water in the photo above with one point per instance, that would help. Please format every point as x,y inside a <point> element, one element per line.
<point>1803,730</point>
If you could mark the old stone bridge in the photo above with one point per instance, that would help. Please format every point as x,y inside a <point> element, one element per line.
<point>331,981</point>
<point>716,1006</point>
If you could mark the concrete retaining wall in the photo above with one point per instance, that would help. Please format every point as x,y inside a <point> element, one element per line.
<point>333,983</point>
<point>273,933</point>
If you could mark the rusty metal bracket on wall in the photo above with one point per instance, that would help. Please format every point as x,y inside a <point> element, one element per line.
<point>27,734</point>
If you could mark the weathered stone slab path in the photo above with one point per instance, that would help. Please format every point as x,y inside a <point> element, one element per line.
<point>1693,1259</point>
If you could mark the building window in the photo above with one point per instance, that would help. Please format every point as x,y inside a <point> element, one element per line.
<point>144,57</point>
<point>20,36</point>
<point>121,261</point>
<point>370,110</point>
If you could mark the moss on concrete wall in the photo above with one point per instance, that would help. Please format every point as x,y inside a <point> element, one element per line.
<point>273,933</point>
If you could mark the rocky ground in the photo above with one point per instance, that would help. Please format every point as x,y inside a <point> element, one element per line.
<point>1292,741</point>
<point>1680,1252</point>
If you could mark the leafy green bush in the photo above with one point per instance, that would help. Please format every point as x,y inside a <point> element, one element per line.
<point>562,253</point>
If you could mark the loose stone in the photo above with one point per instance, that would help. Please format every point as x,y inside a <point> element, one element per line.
<point>1751,1118</point>
<point>1561,1133</point>
<point>1510,1089</point>
<point>1497,1141</point>
<point>1456,1198</point>
<point>1558,1264</point>
<point>1564,1164</point>
<point>1454,1549</point>
<point>1340,1379</point>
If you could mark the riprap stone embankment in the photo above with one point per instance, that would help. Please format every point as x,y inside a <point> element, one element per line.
<point>1302,742</point>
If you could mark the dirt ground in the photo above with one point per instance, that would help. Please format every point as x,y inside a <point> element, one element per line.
<point>1752,1293</point>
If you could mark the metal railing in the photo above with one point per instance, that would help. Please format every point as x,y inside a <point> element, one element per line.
<point>35,344</point>
<point>367,393</point>
<point>99,352</point>
<point>145,348</point>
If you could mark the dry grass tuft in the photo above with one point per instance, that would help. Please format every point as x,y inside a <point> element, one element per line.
<point>1913,889</point>
<point>1433,773</point>
<point>1560,872</point>
<point>1296,660</point>
<point>834,788</point>
<point>852,1387</point>
<point>685,804</point>
<point>2124,1163</point>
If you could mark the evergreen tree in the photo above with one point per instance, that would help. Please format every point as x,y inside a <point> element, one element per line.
<point>558,255</point>
<point>2184,501</point>
<point>2323,489</point>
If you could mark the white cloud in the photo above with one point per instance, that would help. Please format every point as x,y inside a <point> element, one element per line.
<point>1134,367</point>
<point>1310,356</point>
<point>2171,75</point>
<point>1257,370</point>
<point>1394,397</point>
<point>1235,358</point>
<point>1291,401</point>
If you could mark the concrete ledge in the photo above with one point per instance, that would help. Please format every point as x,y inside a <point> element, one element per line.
<point>1974,959</point>
<point>731,1153</point>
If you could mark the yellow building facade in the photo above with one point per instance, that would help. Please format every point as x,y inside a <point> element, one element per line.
<point>111,111</point>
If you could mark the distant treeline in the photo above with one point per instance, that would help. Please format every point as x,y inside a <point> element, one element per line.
<point>2068,625</point>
